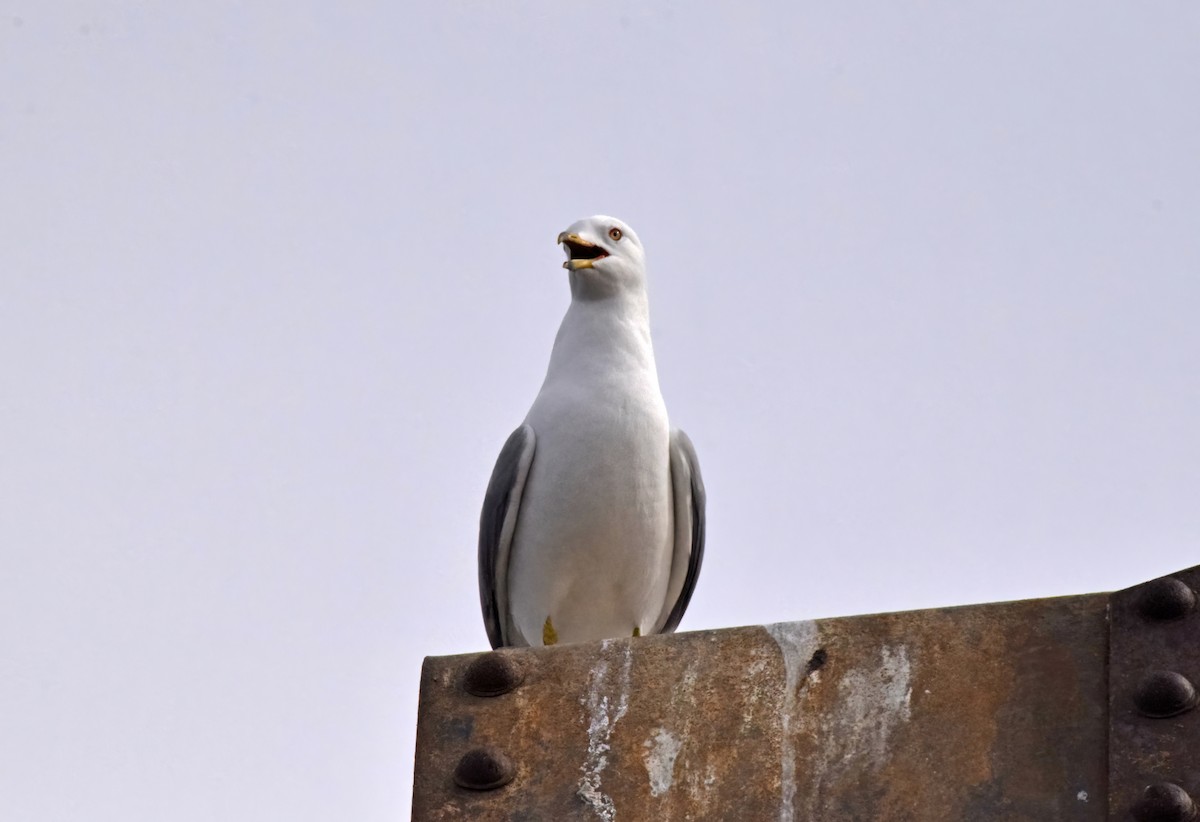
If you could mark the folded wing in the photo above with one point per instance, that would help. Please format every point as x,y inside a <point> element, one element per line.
<point>497,524</point>
<point>688,490</point>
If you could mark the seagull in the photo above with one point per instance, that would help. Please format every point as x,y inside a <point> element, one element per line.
<point>593,521</point>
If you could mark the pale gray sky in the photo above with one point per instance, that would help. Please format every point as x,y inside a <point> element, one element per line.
<point>276,283</point>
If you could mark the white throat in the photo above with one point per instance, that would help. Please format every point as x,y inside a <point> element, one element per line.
<point>599,340</point>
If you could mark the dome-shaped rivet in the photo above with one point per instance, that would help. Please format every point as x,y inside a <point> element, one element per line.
<point>1164,693</point>
<point>493,674</point>
<point>484,769</point>
<point>1166,598</point>
<point>1164,802</point>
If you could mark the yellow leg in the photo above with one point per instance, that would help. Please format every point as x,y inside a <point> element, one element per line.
<point>637,630</point>
<point>549,635</point>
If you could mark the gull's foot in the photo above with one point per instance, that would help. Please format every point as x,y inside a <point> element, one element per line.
<point>549,635</point>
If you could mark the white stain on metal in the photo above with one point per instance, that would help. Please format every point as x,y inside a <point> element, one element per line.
<point>699,786</point>
<point>661,750</point>
<point>1082,796</point>
<point>754,673</point>
<point>872,702</point>
<point>797,642</point>
<point>605,702</point>
<point>853,734</point>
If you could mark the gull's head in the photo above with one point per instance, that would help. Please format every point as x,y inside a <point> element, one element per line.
<point>604,256</point>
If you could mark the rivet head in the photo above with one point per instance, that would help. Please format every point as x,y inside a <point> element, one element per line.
<point>484,769</point>
<point>1166,598</point>
<point>493,674</point>
<point>1164,802</point>
<point>1164,693</point>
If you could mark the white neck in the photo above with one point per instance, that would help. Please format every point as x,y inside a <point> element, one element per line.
<point>599,339</point>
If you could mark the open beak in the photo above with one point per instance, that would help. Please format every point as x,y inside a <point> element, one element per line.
<point>580,252</point>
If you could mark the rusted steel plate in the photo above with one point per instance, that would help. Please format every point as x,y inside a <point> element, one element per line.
<point>1154,668</point>
<point>988,712</point>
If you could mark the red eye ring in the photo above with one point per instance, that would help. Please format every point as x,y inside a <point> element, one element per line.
<point>615,233</point>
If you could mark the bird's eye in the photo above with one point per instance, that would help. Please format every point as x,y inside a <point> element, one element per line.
<point>615,233</point>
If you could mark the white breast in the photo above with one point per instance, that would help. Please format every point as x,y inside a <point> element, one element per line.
<point>594,537</point>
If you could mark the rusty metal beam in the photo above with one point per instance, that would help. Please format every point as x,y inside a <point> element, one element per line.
<point>985,712</point>
<point>1154,743</point>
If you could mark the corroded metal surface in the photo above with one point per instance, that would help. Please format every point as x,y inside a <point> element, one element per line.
<point>1155,727</point>
<point>989,712</point>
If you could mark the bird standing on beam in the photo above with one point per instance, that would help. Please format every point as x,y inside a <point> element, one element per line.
<point>593,521</point>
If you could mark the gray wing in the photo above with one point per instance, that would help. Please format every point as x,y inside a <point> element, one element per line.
<point>688,491</point>
<point>497,523</point>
